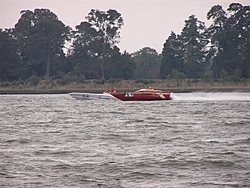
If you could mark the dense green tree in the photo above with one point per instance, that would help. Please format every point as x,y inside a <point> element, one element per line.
<point>216,32</point>
<point>41,38</point>
<point>35,46</point>
<point>240,28</point>
<point>222,39</point>
<point>147,63</point>
<point>229,35</point>
<point>107,25</point>
<point>86,54</point>
<point>10,62</point>
<point>85,49</point>
<point>128,66</point>
<point>171,56</point>
<point>194,47</point>
<point>187,52</point>
<point>122,66</point>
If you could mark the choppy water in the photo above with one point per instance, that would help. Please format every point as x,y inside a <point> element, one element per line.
<point>195,140</point>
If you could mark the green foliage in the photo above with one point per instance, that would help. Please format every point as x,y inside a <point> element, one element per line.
<point>5,84</point>
<point>177,75</point>
<point>36,44</point>
<point>224,74</point>
<point>147,63</point>
<point>18,82</point>
<point>208,75</point>
<point>113,80</point>
<point>216,80</point>
<point>10,63</point>
<point>186,52</point>
<point>194,42</point>
<point>195,81</point>
<point>126,67</point>
<point>152,81</point>
<point>74,78</point>
<point>171,56</point>
<point>237,73</point>
<point>69,78</point>
<point>94,51</point>
<point>233,79</point>
<point>41,38</point>
<point>105,26</point>
<point>100,82</point>
<point>230,50</point>
<point>81,79</point>
<point>229,34</point>
<point>143,81</point>
<point>33,80</point>
<point>61,82</point>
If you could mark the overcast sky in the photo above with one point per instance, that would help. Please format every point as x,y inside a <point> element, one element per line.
<point>147,23</point>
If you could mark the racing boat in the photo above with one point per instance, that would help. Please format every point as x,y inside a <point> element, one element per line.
<point>143,95</point>
<point>92,96</point>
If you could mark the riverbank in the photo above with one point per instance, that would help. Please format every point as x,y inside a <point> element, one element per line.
<point>173,85</point>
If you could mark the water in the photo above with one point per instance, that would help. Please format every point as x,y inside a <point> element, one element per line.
<point>195,140</point>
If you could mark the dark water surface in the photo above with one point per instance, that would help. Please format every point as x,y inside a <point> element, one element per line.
<point>195,140</point>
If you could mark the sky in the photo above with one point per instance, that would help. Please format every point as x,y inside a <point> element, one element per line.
<point>147,23</point>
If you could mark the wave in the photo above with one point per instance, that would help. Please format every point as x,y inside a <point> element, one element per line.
<point>209,96</point>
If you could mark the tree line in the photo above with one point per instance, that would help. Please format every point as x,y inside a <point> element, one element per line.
<point>42,46</point>
<point>218,51</point>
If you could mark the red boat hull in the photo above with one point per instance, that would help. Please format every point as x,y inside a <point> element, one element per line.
<point>143,95</point>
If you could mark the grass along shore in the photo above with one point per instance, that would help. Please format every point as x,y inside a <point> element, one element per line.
<point>173,85</point>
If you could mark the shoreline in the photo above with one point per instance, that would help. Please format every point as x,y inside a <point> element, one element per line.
<point>66,91</point>
<point>96,86</point>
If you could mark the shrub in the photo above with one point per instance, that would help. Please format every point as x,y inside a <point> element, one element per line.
<point>144,81</point>
<point>152,81</point>
<point>100,82</point>
<point>19,82</point>
<point>224,74</point>
<point>81,79</point>
<point>177,75</point>
<point>5,84</point>
<point>20,86</point>
<point>33,80</point>
<point>233,79</point>
<point>216,80</point>
<point>64,80</point>
<point>68,78</point>
<point>73,78</point>
<point>195,81</point>
<point>113,80</point>
<point>207,75</point>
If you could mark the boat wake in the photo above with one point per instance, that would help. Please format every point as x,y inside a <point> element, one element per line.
<point>202,96</point>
